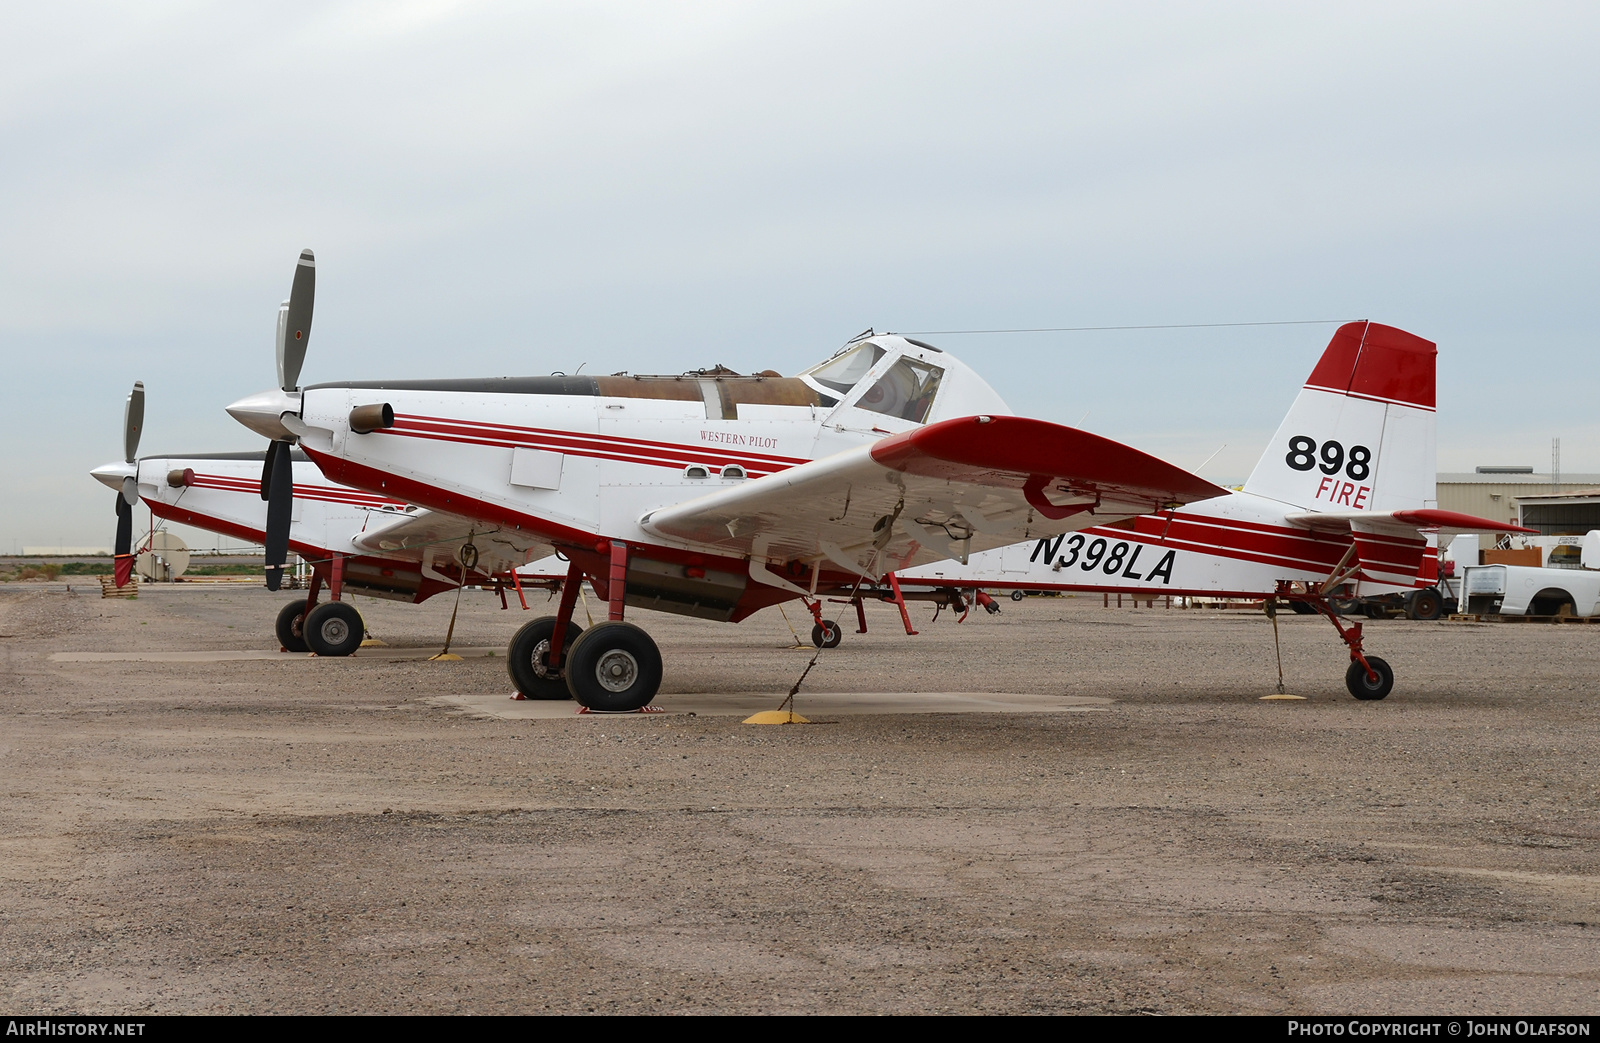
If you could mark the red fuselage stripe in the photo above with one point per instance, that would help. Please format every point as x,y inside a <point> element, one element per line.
<point>327,493</point>
<point>754,471</point>
<point>586,444</point>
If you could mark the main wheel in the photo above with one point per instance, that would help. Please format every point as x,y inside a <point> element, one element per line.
<point>1363,687</point>
<point>1425,604</point>
<point>334,628</point>
<point>1302,609</point>
<point>614,666</point>
<point>528,659</point>
<point>1016,595</point>
<point>827,634</point>
<point>291,626</point>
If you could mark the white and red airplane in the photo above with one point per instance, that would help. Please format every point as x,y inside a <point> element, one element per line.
<point>353,541</point>
<point>714,494</point>
<point>707,493</point>
<point>1342,504</point>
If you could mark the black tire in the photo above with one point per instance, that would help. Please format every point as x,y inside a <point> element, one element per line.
<point>1425,604</point>
<point>1016,595</point>
<point>1373,610</point>
<point>334,628</point>
<point>1362,686</point>
<point>291,626</point>
<point>614,667</point>
<point>528,659</point>
<point>827,634</point>
<point>1346,606</point>
<point>1300,608</point>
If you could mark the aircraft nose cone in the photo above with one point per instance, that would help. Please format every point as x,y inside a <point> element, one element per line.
<point>263,412</point>
<point>112,475</point>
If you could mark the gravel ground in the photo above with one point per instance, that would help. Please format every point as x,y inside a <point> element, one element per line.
<point>305,835</point>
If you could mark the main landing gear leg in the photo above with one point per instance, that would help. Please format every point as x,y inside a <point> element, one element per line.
<point>536,658</point>
<point>614,667</point>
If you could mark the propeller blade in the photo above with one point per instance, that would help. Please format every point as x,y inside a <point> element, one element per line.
<point>122,564</point>
<point>280,510</point>
<point>124,543</point>
<point>133,421</point>
<point>266,470</point>
<point>294,322</point>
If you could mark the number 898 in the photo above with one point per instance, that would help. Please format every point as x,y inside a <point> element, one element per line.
<point>1303,456</point>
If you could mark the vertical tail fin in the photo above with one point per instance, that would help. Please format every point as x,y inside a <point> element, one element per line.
<point>1360,436</point>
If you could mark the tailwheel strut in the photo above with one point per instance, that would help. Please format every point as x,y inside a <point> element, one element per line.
<point>1369,678</point>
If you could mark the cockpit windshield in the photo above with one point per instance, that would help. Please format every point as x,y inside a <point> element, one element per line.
<point>905,391</point>
<point>842,372</point>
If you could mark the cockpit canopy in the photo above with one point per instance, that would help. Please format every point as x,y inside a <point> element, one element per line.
<point>905,379</point>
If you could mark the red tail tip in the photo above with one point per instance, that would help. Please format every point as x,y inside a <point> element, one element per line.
<point>1368,360</point>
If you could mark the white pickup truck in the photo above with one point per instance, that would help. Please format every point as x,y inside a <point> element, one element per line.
<point>1523,590</point>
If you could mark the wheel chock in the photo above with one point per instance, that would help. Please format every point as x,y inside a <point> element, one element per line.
<point>776,717</point>
<point>1282,698</point>
<point>443,657</point>
<point>374,642</point>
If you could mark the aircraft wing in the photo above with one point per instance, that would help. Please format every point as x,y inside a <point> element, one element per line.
<point>1389,545</point>
<point>414,531</point>
<point>940,491</point>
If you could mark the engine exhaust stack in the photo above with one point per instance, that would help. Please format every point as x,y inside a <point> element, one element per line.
<point>366,419</point>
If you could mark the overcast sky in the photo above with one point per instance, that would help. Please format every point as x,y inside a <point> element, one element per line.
<point>499,188</point>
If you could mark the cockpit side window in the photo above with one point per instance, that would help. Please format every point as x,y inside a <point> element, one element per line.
<point>906,390</point>
<point>842,372</point>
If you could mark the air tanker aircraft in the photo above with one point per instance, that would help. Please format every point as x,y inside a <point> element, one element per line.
<point>709,494</point>
<point>713,494</point>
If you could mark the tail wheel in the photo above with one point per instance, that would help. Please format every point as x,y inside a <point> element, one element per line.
<point>615,667</point>
<point>827,634</point>
<point>291,628</point>
<point>528,659</point>
<point>334,629</point>
<point>1365,688</point>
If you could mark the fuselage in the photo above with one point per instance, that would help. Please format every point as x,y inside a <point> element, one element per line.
<point>576,460</point>
<point>1241,545</point>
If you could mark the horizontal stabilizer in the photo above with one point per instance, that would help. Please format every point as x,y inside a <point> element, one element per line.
<point>1390,545</point>
<point>1445,523</point>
